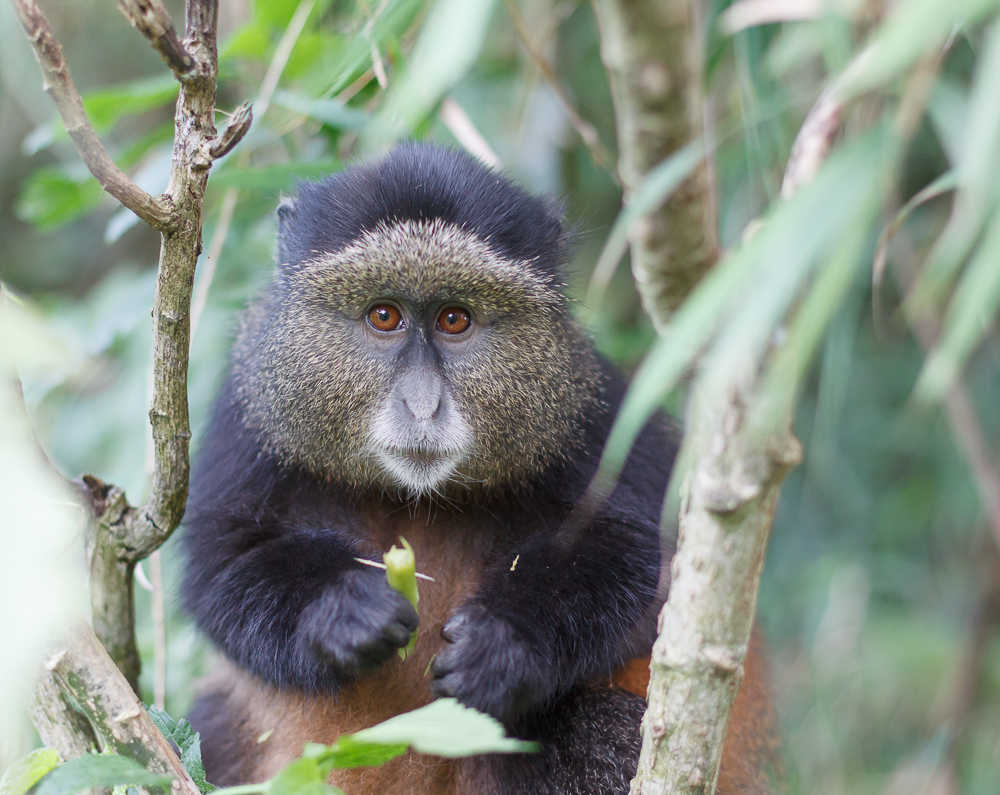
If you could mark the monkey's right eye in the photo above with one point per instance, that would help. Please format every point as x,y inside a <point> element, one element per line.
<point>385,317</point>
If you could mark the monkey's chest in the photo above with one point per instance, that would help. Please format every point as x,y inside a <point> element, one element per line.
<point>454,557</point>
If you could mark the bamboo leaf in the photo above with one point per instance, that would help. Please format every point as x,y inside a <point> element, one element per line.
<point>433,69</point>
<point>655,189</point>
<point>795,233</point>
<point>977,172</point>
<point>913,29</point>
<point>970,313</point>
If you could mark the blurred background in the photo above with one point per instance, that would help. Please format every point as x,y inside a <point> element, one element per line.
<point>880,594</point>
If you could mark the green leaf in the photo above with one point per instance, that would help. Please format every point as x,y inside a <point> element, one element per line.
<point>445,728</point>
<point>51,198</point>
<point>394,20</point>
<point>432,68</point>
<point>330,112</point>
<point>305,776</point>
<point>27,771</point>
<point>811,319</point>
<point>970,315</point>
<point>87,772</point>
<point>913,29</point>
<point>813,222</point>
<point>106,106</point>
<point>188,742</point>
<point>272,178</point>
<point>348,752</point>
<point>977,169</point>
<point>794,234</point>
<point>655,188</point>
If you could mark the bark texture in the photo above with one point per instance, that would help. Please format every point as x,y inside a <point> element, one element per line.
<point>106,714</point>
<point>729,497</point>
<point>651,49</point>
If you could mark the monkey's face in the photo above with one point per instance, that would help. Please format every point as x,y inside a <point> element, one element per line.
<point>417,359</point>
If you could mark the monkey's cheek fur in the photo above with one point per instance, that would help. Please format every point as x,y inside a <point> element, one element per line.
<point>488,666</point>
<point>356,624</point>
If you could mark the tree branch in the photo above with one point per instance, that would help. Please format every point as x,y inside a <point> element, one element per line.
<point>152,19</point>
<point>725,523</point>
<point>650,49</point>
<point>59,84</point>
<point>120,535</point>
<point>81,671</point>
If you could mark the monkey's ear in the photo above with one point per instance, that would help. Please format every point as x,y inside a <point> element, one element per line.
<point>288,208</point>
<point>288,211</point>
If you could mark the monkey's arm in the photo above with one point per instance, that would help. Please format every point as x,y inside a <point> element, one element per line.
<point>293,607</point>
<point>548,618</point>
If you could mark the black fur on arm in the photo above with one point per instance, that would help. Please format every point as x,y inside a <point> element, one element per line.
<point>554,613</point>
<point>272,577</point>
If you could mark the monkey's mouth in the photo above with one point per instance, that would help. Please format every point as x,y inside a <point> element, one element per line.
<point>419,470</point>
<point>420,457</point>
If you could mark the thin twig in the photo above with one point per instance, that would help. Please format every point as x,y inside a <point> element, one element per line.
<point>587,132</point>
<point>238,126</point>
<point>59,84</point>
<point>152,19</point>
<point>454,117</point>
<point>159,631</point>
<point>813,142</point>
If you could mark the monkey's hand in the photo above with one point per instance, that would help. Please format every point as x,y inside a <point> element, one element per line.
<point>357,623</point>
<point>490,666</point>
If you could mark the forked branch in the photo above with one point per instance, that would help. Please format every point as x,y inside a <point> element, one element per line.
<point>120,534</point>
<point>58,82</point>
<point>151,19</point>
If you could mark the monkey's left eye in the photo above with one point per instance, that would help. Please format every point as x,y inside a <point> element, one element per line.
<point>454,320</point>
<point>385,317</point>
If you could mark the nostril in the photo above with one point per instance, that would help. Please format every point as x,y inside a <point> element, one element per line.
<point>423,407</point>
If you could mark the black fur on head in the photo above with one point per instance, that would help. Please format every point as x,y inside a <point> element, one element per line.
<point>422,182</point>
<point>423,227</point>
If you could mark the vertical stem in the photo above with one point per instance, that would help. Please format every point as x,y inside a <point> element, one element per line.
<point>652,52</point>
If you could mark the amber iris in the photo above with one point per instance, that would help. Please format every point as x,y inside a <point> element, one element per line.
<point>454,320</point>
<point>385,318</point>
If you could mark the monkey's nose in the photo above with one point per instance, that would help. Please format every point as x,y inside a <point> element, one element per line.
<point>422,407</point>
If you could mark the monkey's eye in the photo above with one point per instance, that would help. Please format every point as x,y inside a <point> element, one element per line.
<point>454,320</point>
<point>385,317</point>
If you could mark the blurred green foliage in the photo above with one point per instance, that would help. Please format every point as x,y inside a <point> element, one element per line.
<point>880,554</point>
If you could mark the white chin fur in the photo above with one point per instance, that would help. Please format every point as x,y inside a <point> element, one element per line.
<point>419,457</point>
<point>417,477</point>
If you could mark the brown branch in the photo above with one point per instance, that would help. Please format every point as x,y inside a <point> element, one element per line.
<point>81,671</point>
<point>120,535</point>
<point>152,19</point>
<point>813,142</point>
<point>123,535</point>
<point>586,130</point>
<point>238,126</point>
<point>650,49</point>
<point>59,84</point>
